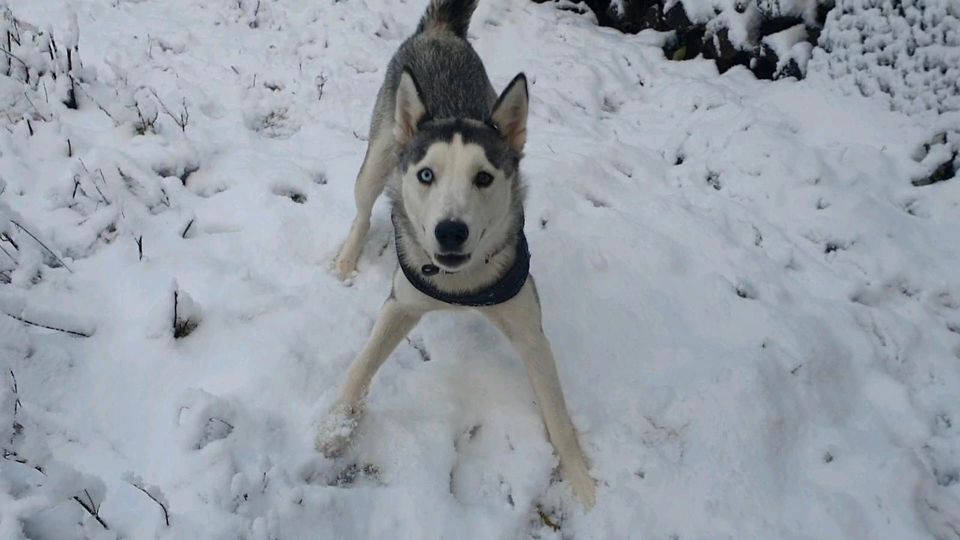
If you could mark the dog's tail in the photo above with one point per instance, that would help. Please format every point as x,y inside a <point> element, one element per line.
<point>448,16</point>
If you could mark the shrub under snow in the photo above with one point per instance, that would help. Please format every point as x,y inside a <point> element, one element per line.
<point>906,49</point>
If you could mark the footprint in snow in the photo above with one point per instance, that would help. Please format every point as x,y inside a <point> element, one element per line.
<point>291,193</point>
<point>204,418</point>
<point>357,474</point>
<point>745,290</point>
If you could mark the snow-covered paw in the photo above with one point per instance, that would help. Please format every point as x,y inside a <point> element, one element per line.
<point>345,267</point>
<point>584,488</point>
<point>335,429</point>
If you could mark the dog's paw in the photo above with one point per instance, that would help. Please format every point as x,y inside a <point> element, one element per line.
<point>335,429</point>
<point>584,488</point>
<point>345,267</point>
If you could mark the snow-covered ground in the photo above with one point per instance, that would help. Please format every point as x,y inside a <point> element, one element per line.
<point>756,315</point>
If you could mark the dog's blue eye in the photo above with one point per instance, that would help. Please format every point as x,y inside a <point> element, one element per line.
<point>483,179</point>
<point>425,175</point>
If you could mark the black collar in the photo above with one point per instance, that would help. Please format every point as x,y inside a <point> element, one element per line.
<point>499,292</point>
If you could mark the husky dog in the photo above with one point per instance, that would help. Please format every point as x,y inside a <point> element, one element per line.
<point>452,148</point>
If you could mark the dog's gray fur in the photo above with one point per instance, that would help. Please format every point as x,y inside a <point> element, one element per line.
<point>436,100</point>
<point>455,89</point>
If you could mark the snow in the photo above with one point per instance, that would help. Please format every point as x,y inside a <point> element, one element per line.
<point>782,43</point>
<point>742,19</point>
<point>756,315</point>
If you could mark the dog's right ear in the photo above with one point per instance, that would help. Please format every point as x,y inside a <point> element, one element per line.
<point>410,109</point>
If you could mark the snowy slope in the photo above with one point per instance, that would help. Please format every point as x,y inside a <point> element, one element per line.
<point>756,316</point>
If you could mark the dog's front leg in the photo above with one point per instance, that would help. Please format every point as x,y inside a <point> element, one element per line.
<point>393,323</point>
<point>519,320</point>
<point>377,164</point>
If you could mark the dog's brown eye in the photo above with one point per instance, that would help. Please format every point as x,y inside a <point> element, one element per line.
<point>425,175</point>
<point>483,179</point>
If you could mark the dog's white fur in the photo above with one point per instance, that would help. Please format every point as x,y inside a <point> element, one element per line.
<point>454,166</point>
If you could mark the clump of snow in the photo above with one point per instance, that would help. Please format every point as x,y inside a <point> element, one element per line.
<point>788,51</point>
<point>186,313</point>
<point>743,18</point>
<point>740,25</point>
<point>617,7</point>
<point>755,311</point>
<point>782,42</point>
<point>204,418</point>
<point>805,10</point>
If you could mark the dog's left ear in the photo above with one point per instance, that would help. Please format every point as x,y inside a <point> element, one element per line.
<point>509,113</point>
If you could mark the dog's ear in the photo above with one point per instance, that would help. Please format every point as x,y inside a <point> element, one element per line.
<point>509,113</point>
<point>410,109</point>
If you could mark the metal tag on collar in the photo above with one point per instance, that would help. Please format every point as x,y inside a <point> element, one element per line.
<point>429,269</point>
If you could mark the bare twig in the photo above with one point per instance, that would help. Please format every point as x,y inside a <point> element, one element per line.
<point>7,253</point>
<point>11,55</point>
<point>94,512</point>
<point>16,26</point>
<point>35,109</point>
<point>184,116</point>
<point>104,180</point>
<point>92,181</point>
<point>254,23</point>
<point>95,102</point>
<point>166,513</point>
<point>59,260</point>
<point>5,238</point>
<point>39,325</point>
<point>53,48</point>
<point>321,82</point>
<point>182,119</point>
<point>71,102</point>
<point>187,229</point>
<point>93,505</point>
<point>16,393</point>
<point>145,124</point>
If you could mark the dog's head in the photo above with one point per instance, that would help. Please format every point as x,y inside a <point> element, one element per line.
<point>459,178</point>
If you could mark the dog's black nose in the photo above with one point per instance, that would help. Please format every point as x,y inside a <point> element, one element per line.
<point>451,234</point>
